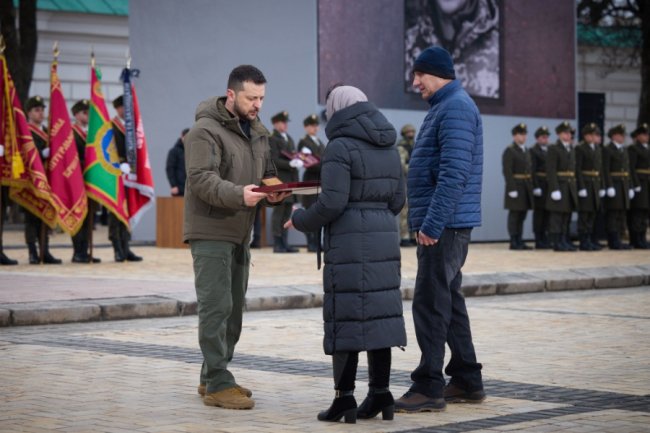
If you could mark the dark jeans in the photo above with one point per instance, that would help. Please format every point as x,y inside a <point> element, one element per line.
<point>440,317</point>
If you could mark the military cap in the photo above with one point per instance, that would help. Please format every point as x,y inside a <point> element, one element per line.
<point>563,127</point>
<point>591,128</point>
<point>82,105</point>
<point>282,116</point>
<point>118,102</point>
<point>406,128</point>
<point>641,129</point>
<point>542,130</point>
<point>312,119</point>
<point>520,128</point>
<point>618,129</point>
<point>33,102</point>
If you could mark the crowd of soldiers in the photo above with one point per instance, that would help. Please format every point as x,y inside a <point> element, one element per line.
<point>36,235</point>
<point>607,185</point>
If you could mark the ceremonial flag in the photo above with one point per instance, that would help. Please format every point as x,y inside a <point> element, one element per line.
<point>140,191</point>
<point>21,167</point>
<point>64,170</point>
<point>102,175</point>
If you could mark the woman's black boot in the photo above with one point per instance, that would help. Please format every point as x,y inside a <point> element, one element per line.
<point>343,406</point>
<point>377,400</point>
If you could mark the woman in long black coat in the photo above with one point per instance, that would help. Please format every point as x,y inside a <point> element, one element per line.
<point>362,190</point>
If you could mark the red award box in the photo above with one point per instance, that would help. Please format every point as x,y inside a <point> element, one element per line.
<point>275,185</point>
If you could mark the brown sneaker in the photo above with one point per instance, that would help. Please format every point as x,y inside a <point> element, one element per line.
<point>247,392</point>
<point>456,394</point>
<point>231,398</point>
<point>412,402</point>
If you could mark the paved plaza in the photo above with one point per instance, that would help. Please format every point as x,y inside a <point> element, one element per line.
<point>573,361</point>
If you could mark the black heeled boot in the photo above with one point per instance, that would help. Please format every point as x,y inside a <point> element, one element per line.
<point>377,400</point>
<point>343,406</point>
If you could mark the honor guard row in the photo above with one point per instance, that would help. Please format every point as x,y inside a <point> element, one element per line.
<point>610,182</point>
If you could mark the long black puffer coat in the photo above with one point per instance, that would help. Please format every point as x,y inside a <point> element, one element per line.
<point>362,190</point>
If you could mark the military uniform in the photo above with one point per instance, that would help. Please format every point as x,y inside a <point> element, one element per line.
<point>538,155</point>
<point>639,155</point>
<point>590,188</point>
<point>405,148</point>
<point>312,173</point>
<point>80,241</point>
<point>562,195</point>
<point>4,260</point>
<point>33,224</point>
<point>518,198</point>
<point>616,177</point>
<point>281,144</point>
<point>118,233</point>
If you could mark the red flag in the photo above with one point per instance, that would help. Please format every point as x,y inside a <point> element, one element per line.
<point>21,167</point>
<point>140,191</point>
<point>63,168</point>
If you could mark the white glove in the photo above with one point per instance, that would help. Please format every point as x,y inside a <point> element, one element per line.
<point>45,153</point>
<point>637,189</point>
<point>2,150</point>
<point>556,195</point>
<point>513,194</point>
<point>537,192</point>
<point>611,192</point>
<point>582,193</point>
<point>125,167</point>
<point>631,193</point>
<point>601,193</point>
<point>306,151</point>
<point>296,163</point>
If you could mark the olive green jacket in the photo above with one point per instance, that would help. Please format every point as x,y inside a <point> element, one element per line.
<point>220,160</point>
<point>517,169</point>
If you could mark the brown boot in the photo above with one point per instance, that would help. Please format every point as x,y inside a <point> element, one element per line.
<point>247,392</point>
<point>231,398</point>
<point>412,402</point>
<point>455,394</point>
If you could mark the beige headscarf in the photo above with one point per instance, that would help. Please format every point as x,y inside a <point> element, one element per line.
<point>342,97</point>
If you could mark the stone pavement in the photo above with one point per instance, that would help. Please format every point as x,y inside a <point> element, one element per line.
<point>162,285</point>
<point>572,361</point>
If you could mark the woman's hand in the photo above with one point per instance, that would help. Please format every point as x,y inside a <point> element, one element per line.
<point>288,225</point>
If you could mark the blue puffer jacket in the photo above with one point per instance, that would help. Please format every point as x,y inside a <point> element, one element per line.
<point>446,166</point>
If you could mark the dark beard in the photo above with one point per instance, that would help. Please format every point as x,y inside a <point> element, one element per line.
<point>239,113</point>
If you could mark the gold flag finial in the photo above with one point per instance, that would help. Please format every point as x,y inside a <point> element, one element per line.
<point>128,58</point>
<point>92,56</point>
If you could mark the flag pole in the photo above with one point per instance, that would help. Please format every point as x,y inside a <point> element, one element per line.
<point>91,206</point>
<point>2,209</point>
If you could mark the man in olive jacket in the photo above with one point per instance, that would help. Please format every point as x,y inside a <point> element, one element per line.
<point>518,200</point>
<point>227,154</point>
<point>590,185</point>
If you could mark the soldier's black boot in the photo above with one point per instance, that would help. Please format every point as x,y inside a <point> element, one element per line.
<point>585,245</point>
<point>6,261</point>
<point>558,245</point>
<point>567,241</point>
<point>128,254</point>
<point>117,249</point>
<point>34,258</point>
<point>593,241</point>
<point>614,242</point>
<point>522,244</point>
<point>278,245</point>
<point>514,245</point>
<point>642,243</point>
<point>85,248</point>
<point>285,242</point>
<point>78,255</point>
<point>48,258</point>
<point>541,242</point>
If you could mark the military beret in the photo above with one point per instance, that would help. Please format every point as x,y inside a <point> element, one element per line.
<point>312,119</point>
<point>618,129</point>
<point>591,128</point>
<point>542,130</point>
<point>118,102</point>
<point>33,102</point>
<point>82,105</point>
<point>406,128</point>
<point>641,129</point>
<point>282,116</point>
<point>520,128</point>
<point>563,127</point>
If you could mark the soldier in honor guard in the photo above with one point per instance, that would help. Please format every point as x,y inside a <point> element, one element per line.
<point>639,154</point>
<point>517,169</point>
<point>562,196</point>
<point>35,108</point>
<point>4,260</point>
<point>80,241</point>
<point>590,186</point>
<point>310,144</point>
<point>119,233</point>
<point>619,189</point>
<point>287,168</point>
<point>540,187</point>
<point>405,148</point>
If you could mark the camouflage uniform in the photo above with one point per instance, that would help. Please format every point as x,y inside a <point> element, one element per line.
<point>405,147</point>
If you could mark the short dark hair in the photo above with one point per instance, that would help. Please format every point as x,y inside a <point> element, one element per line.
<point>244,73</point>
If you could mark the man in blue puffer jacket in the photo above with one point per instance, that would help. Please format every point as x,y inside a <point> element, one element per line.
<point>444,194</point>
